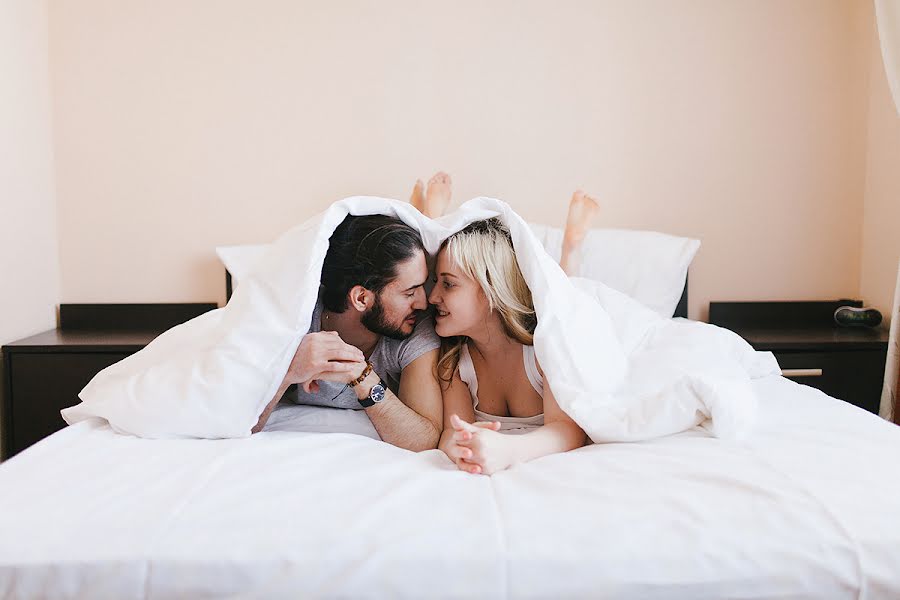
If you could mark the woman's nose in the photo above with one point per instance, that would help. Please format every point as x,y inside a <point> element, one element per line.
<point>434,297</point>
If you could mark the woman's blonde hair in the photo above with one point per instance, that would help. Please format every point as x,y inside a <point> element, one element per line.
<point>484,252</point>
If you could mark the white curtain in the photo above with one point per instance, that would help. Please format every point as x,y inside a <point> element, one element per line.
<point>887,13</point>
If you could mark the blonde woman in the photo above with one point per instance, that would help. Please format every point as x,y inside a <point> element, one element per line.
<point>498,408</point>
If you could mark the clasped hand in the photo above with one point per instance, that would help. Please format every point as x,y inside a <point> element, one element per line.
<point>479,447</point>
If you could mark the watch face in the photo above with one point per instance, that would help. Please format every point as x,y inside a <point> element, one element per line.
<point>377,393</point>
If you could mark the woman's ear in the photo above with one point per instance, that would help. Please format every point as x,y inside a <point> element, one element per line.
<point>360,298</point>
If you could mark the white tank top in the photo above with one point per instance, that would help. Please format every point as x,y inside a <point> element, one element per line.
<point>508,424</point>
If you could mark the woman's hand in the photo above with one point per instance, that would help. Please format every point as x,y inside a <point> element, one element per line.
<point>479,446</point>
<point>458,453</point>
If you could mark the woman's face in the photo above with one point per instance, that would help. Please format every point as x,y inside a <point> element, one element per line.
<point>460,303</point>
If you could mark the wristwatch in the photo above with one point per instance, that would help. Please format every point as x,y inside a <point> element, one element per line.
<point>376,394</point>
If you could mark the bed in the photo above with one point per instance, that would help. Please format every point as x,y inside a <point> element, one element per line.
<point>315,507</point>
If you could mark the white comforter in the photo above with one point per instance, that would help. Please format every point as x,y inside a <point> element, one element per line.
<point>805,507</point>
<point>622,372</point>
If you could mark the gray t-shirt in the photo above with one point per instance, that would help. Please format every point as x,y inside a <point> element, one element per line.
<point>388,359</point>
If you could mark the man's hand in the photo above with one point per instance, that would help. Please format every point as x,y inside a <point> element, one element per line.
<point>477,447</point>
<point>324,356</point>
<point>321,355</point>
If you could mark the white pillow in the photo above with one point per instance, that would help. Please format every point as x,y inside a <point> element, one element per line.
<point>650,267</point>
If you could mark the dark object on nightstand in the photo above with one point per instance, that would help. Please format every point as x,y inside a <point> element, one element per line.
<point>853,316</point>
<point>45,372</point>
<point>846,363</point>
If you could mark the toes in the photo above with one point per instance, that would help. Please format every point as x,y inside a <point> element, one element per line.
<point>439,177</point>
<point>591,201</point>
<point>417,194</point>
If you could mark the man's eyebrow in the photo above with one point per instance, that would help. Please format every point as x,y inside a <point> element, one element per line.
<point>418,285</point>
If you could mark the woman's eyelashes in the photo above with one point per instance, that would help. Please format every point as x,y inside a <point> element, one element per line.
<point>447,285</point>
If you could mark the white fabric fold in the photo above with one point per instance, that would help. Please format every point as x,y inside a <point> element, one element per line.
<point>619,369</point>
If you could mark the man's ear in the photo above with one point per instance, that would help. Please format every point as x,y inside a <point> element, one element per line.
<point>360,298</point>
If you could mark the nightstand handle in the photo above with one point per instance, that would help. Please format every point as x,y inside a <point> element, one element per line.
<point>801,372</point>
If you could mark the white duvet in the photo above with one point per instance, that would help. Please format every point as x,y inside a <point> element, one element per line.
<point>618,369</point>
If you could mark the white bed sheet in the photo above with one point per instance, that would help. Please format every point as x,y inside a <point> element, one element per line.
<point>806,508</point>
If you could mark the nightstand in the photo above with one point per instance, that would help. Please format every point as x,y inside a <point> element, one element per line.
<point>44,373</point>
<point>846,363</point>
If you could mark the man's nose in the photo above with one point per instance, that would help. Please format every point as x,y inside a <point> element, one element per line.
<point>421,302</point>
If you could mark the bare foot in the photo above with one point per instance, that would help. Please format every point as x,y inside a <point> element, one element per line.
<point>417,199</point>
<point>437,195</point>
<point>582,210</point>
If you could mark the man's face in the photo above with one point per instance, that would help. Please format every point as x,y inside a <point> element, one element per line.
<point>400,304</point>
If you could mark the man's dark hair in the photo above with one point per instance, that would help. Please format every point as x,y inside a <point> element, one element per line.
<point>365,251</point>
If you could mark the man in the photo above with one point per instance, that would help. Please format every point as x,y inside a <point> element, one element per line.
<point>370,343</point>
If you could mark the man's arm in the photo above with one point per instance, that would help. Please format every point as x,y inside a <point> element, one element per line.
<point>321,355</point>
<point>264,417</point>
<point>412,421</point>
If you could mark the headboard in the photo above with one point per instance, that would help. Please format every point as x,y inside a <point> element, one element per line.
<point>680,309</point>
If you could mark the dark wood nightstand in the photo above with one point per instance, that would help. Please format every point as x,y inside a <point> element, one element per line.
<point>846,363</point>
<point>44,373</point>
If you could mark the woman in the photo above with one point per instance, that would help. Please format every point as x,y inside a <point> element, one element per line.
<point>493,387</point>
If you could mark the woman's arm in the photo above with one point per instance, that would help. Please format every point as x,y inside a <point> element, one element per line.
<point>458,406</point>
<point>558,434</point>
<point>493,451</point>
<point>457,401</point>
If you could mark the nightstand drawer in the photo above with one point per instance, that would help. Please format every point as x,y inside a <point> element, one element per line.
<point>42,384</point>
<point>853,375</point>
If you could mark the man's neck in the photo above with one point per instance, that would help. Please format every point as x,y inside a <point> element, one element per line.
<point>349,326</point>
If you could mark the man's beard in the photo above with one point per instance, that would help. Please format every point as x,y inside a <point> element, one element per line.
<point>375,321</point>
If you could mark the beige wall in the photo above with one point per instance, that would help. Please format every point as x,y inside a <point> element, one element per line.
<point>881,228</point>
<point>183,125</point>
<point>29,263</point>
